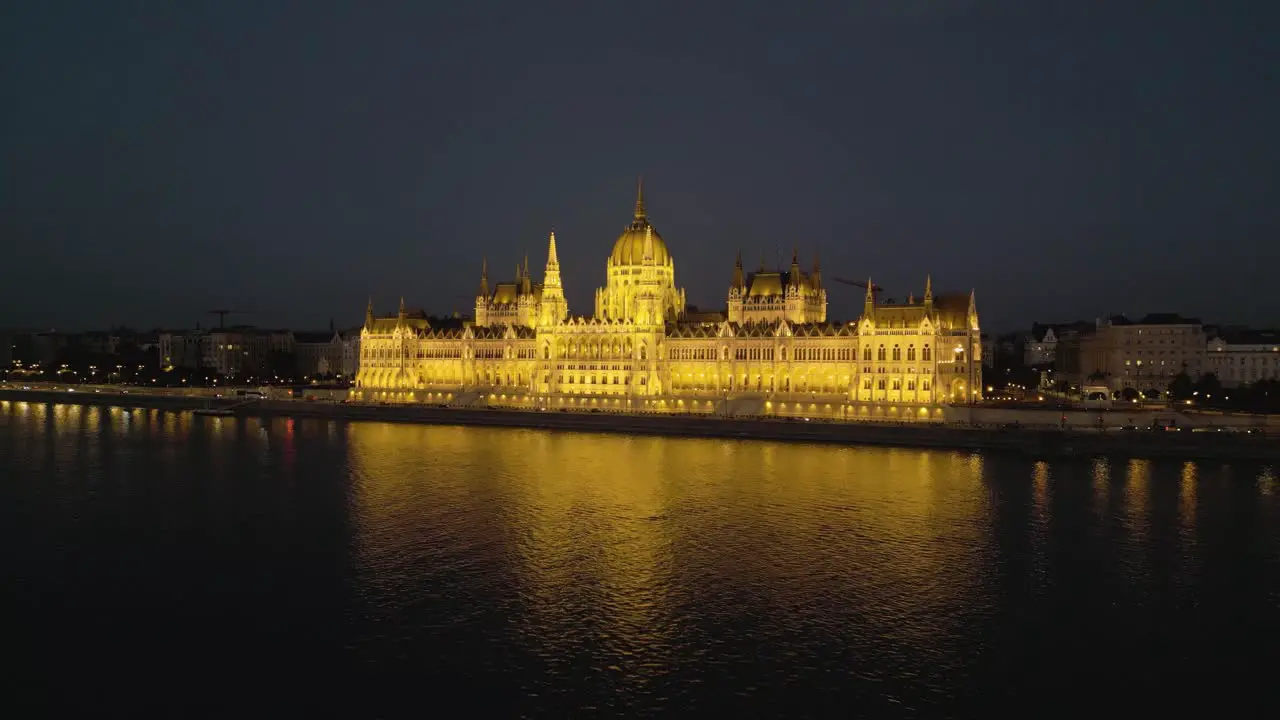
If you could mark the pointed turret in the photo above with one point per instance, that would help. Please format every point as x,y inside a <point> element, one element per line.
<point>816,278</point>
<point>484,277</point>
<point>552,308</point>
<point>869,305</point>
<point>795,267</point>
<point>551,275</point>
<point>640,212</point>
<point>928,291</point>
<point>403,313</point>
<point>738,281</point>
<point>526,281</point>
<point>368,313</point>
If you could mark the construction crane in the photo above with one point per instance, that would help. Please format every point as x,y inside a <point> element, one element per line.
<point>222,315</point>
<point>874,287</point>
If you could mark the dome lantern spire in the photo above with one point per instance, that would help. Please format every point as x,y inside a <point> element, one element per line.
<point>640,212</point>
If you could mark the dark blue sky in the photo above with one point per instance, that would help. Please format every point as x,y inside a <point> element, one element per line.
<point>1063,158</point>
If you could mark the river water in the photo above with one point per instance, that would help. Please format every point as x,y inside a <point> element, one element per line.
<point>163,564</point>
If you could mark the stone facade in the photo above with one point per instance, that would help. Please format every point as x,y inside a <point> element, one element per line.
<point>644,349</point>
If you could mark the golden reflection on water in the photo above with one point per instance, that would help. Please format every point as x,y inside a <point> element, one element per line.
<point>1101,486</point>
<point>639,520</point>
<point>1137,497</point>
<point>1187,483</point>
<point>1040,477</point>
<point>1268,481</point>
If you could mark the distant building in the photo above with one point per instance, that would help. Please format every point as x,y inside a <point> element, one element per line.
<point>243,351</point>
<point>181,349</point>
<point>46,347</point>
<point>1040,347</point>
<point>333,353</point>
<point>1144,355</point>
<point>1242,357</point>
<point>351,353</point>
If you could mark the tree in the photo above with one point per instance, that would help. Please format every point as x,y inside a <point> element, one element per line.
<point>1181,387</point>
<point>281,364</point>
<point>1129,395</point>
<point>1208,385</point>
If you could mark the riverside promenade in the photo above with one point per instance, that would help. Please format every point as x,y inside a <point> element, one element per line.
<point>1036,440</point>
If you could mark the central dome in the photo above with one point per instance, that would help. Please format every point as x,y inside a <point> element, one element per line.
<point>629,249</point>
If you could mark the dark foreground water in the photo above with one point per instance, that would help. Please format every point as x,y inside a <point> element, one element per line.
<point>168,565</point>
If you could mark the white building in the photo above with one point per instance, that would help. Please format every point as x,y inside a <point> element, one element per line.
<point>1243,357</point>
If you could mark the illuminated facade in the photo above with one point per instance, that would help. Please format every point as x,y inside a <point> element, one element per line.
<point>772,351</point>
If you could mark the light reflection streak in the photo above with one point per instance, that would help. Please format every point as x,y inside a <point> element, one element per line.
<point>1188,483</point>
<point>769,526</point>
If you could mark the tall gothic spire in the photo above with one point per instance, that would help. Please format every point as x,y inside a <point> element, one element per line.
<point>484,277</point>
<point>551,276</point>
<point>552,307</point>
<point>738,281</point>
<point>368,312</point>
<point>403,313</point>
<point>928,290</point>
<point>816,278</point>
<point>640,213</point>
<point>870,302</point>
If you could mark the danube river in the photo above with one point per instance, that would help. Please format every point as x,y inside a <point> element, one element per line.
<point>162,564</point>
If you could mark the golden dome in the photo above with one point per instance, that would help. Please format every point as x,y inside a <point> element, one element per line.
<point>629,249</point>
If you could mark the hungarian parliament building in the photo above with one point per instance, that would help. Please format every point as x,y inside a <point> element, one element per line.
<point>772,350</point>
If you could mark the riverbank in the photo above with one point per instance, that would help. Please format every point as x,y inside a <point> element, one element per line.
<point>1037,442</point>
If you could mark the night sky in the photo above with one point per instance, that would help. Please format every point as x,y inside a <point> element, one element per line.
<point>1065,159</point>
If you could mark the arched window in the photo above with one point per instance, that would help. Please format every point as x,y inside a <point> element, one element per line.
<point>644,355</point>
<point>546,352</point>
<point>928,355</point>
<point>880,354</point>
<point>897,353</point>
<point>911,353</point>
<point>783,356</point>
<point>866,353</point>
